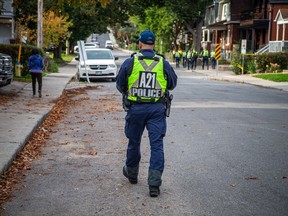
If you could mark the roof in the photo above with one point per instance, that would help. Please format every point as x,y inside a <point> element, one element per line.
<point>282,16</point>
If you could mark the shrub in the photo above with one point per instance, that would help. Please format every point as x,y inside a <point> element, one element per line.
<point>52,66</point>
<point>251,67</point>
<point>264,61</point>
<point>26,51</point>
<point>236,60</point>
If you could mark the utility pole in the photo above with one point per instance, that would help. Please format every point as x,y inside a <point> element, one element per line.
<point>40,24</point>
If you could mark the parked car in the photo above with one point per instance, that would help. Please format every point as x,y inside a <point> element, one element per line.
<point>100,64</point>
<point>6,72</point>
<point>90,45</point>
<point>109,44</point>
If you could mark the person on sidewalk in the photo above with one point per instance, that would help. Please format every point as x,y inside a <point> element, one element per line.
<point>194,59</point>
<point>189,59</point>
<point>213,60</point>
<point>184,59</point>
<point>36,65</point>
<point>205,58</point>
<point>177,57</point>
<point>144,80</point>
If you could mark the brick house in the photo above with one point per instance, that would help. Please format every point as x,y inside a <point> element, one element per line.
<point>260,22</point>
<point>221,24</point>
<point>6,22</point>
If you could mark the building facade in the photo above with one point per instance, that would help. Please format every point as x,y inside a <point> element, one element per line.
<point>259,22</point>
<point>6,22</point>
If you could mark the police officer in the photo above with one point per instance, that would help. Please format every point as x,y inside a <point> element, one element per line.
<point>189,59</point>
<point>177,57</point>
<point>205,58</point>
<point>184,59</point>
<point>194,59</point>
<point>144,79</point>
<point>213,60</point>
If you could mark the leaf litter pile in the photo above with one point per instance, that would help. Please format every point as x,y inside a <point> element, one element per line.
<point>5,98</point>
<point>33,148</point>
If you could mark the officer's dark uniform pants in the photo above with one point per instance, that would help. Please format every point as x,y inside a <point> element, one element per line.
<point>177,62</point>
<point>190,64</point>
<point>194,63</point>
<point>205,60</point>
<point>184,61</point>
<point>213,62</point>
<point>151,116</point>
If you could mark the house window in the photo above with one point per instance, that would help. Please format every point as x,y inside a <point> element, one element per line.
<point>224,12</point>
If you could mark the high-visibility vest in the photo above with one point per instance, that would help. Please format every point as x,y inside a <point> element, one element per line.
<point>194,53</point>
<point>189,54</point>
<point>212,54</point>
<point>177,54</point>
<point>147,82</point>
<point>205,53</point>
<point>184,54</point>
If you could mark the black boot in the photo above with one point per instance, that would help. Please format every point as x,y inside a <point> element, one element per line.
<point>39,91</point>
<point>131,173</point>
<point>154,191</point>
<point>154,182</point>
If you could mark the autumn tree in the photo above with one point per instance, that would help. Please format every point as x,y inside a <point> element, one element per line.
<point>55,29</point>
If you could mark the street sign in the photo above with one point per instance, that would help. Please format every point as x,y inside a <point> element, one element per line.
<point>83,56</point>
<point>217,52</point>
<point>243,46</point>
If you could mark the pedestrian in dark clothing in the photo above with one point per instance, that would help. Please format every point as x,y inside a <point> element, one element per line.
<point>144,79</point>
<point>205,58</point>
<point>194,59</point>
<point>36,65</point>
<point>177,57</point>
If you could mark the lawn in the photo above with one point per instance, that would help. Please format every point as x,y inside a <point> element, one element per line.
<point>273,77</point>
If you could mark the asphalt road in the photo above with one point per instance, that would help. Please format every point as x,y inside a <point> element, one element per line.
<point>226,154</point>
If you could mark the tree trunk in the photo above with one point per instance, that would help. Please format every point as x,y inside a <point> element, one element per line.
<point>57,52</point>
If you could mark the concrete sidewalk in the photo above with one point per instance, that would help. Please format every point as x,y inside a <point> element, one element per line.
<point>20,116</point>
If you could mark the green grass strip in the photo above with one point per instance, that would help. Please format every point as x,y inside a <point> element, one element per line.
<point>273,77</point>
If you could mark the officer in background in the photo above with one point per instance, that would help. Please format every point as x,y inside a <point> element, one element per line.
<point>144,79</point>
<point>184,59</point>
<point>194,59</point>
<point>213,60</point>
<point>177,58</point>
<point>189,59</point>
<point>205,58</point>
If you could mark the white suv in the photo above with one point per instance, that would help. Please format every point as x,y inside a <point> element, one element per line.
<point>100,64</point>
<point>109,44</point>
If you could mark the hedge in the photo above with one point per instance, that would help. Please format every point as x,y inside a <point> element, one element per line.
<point>26,51</point>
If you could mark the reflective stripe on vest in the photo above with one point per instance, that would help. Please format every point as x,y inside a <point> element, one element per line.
<point>147,82</point>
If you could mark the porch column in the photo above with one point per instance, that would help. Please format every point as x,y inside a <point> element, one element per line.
<point>253,40</point>
<point>283,33</point>
<point>277,32</point>
<point>203,35</point>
